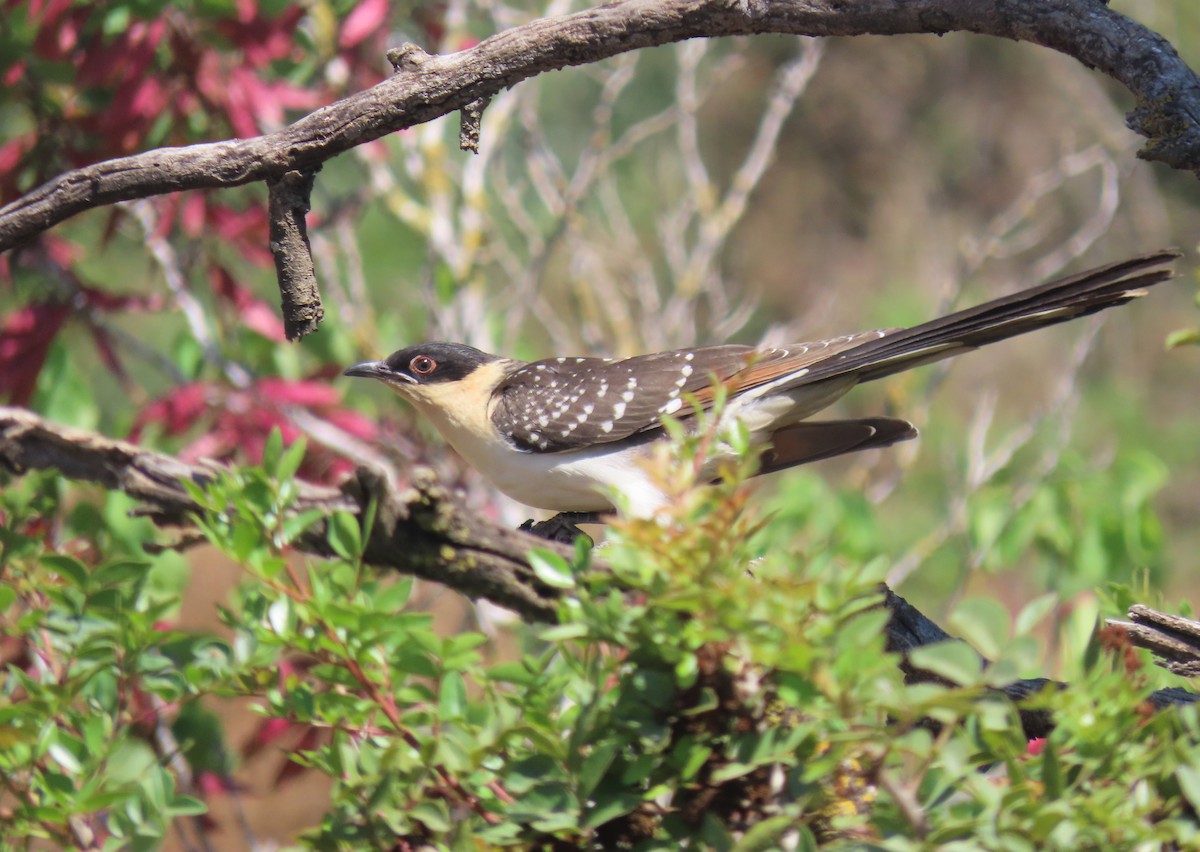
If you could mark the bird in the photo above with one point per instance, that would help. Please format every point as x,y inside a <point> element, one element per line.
<point>565,433</point>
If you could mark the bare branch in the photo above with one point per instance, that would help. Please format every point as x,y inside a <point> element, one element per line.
<point>1174,640</point>
<point>471,118</point>
<point>289,200</point>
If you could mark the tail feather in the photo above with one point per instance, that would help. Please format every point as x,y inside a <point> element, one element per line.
<point>809,440</point>
<point>1038,307</point>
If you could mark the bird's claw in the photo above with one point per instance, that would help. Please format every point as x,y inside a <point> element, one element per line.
<point>562,527</point>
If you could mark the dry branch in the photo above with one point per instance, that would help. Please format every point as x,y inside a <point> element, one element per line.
<point>424,87</point>
<point>290,197</point>
<point>1174,640</point>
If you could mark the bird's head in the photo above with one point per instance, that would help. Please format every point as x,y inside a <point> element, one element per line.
<point>426,371</point>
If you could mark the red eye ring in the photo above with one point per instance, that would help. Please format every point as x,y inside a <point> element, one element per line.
<point>422,365</point>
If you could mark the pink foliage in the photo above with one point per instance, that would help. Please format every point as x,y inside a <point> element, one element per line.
<point>367,18</point>
<point>25,338</point>
<point>255,314</point>
<point>234,423</point>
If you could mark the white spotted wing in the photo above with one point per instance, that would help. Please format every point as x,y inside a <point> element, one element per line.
<point>570,403</point>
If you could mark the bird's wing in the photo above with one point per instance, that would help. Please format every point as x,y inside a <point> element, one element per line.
<point>570,403</point>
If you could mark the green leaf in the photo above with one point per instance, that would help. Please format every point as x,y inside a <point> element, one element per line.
<point>452,697</point>
<point>246,538</point>
<point>120,573</point>
<point>292,459</point>
<point>983,623</point>
<point>1189,783</point>
<point>295,525</point>
<point>730,771</point>
<point>1052,775</point>
<point>689,755</point>
<point>434,815</point>
<point>7,595</point>
<point>345,537</point>
<point>64,758</point>
<point>395,596</point>
<point>593,767</point>
<point>953,660</point>
<point>1033,613</point>
<point>1183,337</point>
<point>524,775</point>
<point>765,833</point>
<point>583,552</point>
<point>116,21</point>
<point>184,805</point>
<point>563,632</point>
<point>609,807</point>
<point>551,568</point>
<point>515,673</point>
<point>272,450</point>
<point>67,567</point>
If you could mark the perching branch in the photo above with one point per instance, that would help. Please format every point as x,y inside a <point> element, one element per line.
<point>1174,640</point>
<point>425,87</point>
<point>422,531</point>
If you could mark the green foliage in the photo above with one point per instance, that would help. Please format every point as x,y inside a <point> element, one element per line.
<point>708,686</point>
<point>1185,336</point>
<point>76,703</point>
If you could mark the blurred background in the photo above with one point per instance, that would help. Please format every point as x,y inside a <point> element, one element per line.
<point>765,189</point>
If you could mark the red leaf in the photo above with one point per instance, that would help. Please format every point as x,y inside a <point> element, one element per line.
<point>210,783</point>
<point>177,411</point>
<point>242,103</point>
<point>1035,746</point>
<point>193,213</point>
<point>107,302</point>
<point>15,73</point>
<point>368,17</point>
<point>353,423</point>
<point>11,155</point>
<point>262,318</point>
<point>25,338</point>
<point>297,393</point>
<point>108,353</point>
<point>208,446</point>
<point>245,229</point>
<point>256,314</point>
<point>63,252</point>
<point>268,732</point>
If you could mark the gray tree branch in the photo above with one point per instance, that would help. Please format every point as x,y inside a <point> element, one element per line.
<point>1172,639</point>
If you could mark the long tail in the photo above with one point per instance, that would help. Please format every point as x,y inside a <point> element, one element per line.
<point>814,440</point>
<point>1045,305</point>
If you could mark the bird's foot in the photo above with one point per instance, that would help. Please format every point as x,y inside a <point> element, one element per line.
<point>562,527</point>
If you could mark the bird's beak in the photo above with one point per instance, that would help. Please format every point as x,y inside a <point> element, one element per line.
<point>377,370</point>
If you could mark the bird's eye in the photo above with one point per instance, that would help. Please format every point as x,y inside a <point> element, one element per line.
<point>422,365</point>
